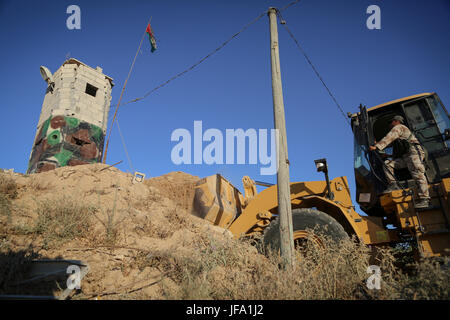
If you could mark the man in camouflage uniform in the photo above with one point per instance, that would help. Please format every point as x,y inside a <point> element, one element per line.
<point>412,159</point>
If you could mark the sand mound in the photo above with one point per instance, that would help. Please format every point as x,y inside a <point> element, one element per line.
<point>129,226</point>
<point>176,186</point>
<point>141,242</point>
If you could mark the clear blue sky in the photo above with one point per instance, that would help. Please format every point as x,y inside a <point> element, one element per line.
<point>409,55</point>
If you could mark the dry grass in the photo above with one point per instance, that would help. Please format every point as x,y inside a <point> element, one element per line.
<point>195,264</point>
<point>430,280</point>
<point>224,270</point>
<point>8,192</point>
<point>173,220</point>
<point>145,203</point>
<point>8,186</point>
<point>5,208</point>
<point>62,219</point>
<point>37,185</point>
<point>153,230</point>
<point>221,271</point>
<point>109,221</point>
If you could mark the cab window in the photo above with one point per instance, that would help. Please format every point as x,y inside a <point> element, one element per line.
<point>440,114</point>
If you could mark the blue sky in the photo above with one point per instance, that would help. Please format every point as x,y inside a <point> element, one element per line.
<point>232,89</point>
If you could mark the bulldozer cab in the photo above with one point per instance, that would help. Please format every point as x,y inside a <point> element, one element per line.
<point>428,120</point>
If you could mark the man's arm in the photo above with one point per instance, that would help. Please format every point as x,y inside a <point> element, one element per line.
<point>394,134</point>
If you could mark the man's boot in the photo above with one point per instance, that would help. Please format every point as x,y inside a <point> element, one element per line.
<point>393,186</point>
<point>422,203</point>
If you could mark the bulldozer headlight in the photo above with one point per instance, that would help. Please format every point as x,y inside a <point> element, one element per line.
<point>321,165</point>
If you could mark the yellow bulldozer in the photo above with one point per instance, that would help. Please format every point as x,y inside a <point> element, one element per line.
<point>391,218</point>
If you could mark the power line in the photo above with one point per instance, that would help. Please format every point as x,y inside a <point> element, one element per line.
<point>182,73</point>
<point>283,23</point>
<point>200,61</point>
<point>125,146</point>
<point>288,5</point>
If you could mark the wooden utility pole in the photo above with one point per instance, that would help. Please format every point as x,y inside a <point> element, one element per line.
<point>283,183</point>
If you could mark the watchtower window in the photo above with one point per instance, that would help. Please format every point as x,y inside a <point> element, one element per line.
<point>91,90</point>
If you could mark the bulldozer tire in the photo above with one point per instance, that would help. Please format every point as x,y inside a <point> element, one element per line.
<point>302,220</point>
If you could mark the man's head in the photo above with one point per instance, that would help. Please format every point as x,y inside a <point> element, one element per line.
<point>396,120</point>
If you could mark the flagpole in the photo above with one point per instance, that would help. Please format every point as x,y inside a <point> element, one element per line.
<point>121,94</point>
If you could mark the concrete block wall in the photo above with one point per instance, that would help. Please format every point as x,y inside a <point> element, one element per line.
<point>73,123</point>
<point>69,97</point>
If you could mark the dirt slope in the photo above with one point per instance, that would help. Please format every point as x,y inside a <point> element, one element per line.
<point>141,241</point>
<point>130,225</point>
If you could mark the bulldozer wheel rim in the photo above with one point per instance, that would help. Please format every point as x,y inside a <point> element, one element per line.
<point>301,236</point>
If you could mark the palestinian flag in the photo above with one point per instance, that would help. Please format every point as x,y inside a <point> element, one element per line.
<point>151,37</point>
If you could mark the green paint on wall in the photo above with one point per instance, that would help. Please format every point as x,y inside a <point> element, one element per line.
<point>54,137</point>
<point>72,122</point>
<point>96,132</point>
<point>45,126</point>
<point>63,157</point>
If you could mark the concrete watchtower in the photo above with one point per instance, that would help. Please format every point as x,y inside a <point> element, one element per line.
<point>72,125</point>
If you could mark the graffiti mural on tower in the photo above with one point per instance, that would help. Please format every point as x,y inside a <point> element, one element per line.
<point>65,141</point>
